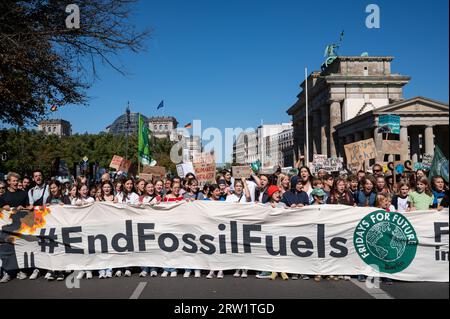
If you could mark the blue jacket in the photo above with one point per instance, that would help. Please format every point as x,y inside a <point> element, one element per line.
<point>363,200</point>
<point>294,197</point>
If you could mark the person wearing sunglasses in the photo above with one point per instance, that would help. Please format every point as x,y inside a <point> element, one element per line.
<point>377,170</point>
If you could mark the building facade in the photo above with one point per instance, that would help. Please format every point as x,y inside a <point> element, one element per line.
<point>192,147</point>
<point>163,127</point>
<point>263,144</point>
<point>55,127</point>
<point>126,124</point>
<point>346,100</point>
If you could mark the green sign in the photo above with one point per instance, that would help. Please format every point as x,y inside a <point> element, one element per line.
<point>386,241</point>
<point>389,124</point>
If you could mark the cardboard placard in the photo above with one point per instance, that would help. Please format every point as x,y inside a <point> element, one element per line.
<point>242,172</point>
<point>156,171</point>
<point>116,162</point>
<point>184,169</point>
<point>125,165</point>
<point>357,153</point>
<point>146,177</point>
<point>391,123</point>
<point>394,147</point>
<point>205,168</point>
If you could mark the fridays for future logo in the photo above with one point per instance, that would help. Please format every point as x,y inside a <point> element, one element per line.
<point>386,240</point>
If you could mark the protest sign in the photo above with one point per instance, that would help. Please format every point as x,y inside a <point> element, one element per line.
<point>242,172</point>
<point>146,177</point>
<point>205,168</point>
<point>325,240</point>
<point>125,165</point>
<point>389,123</point>
<point>115,162</point>
<point>184,169</point>
<point>394,147</point>
<point>156,171</point>
<point>427,160</point>
<point>357,153</point>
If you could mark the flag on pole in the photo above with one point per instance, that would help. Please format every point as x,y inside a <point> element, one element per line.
<point>144,144</point>
<point>54,108</point>
<point>189,125</point>
<point>439,166</point>
<point>161,105</point>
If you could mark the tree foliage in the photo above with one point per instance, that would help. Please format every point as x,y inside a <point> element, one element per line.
<point>25,150</point>
<point>44,63</point>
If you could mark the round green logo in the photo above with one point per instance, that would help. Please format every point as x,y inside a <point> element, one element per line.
<point>386,240</point>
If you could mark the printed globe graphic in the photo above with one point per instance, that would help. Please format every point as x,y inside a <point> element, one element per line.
<point>386,241</point>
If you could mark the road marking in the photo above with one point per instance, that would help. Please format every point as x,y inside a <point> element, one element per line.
<point>137,292</point>
<point>377,293</point>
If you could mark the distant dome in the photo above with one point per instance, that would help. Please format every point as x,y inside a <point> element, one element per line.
<point>120,124</point>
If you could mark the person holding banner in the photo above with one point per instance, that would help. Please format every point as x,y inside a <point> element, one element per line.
<point>127,195</point>
<point>261,194</point>
<point>366,197</point>
<point>381,186</point>
<point>83,197</point>
<point>56,197</point>
<point>241,193</point>
<point>193,192</point>
<point>284,183</point>
<point>400,201</point>
<point>140,188</point>
<point>295,197</point>
<point>159,189</point>
<point>174,196</point>
<point>422,198</point>
<point>438,189</point>
<point>150,196</point>
<point>339,195</point>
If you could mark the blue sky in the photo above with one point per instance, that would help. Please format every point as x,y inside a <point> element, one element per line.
<point>232,63</point>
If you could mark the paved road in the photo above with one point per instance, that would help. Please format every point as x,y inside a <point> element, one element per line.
<point>227,288</point>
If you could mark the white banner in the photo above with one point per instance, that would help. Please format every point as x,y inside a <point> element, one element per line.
<point>325,240</point>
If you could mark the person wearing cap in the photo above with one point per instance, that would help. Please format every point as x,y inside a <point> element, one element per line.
<point>318,196</point>
<point>296,197</point>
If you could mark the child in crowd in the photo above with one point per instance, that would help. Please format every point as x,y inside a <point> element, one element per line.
<point>400,201</point>
<point>422,198</point>
<point>366,197</point>
<point>438,189</point>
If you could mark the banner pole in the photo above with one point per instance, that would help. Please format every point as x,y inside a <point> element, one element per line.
<point>306,118</point>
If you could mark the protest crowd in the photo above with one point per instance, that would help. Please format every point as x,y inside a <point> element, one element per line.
<point>409,192</point>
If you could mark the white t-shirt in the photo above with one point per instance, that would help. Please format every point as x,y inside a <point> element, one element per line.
<point>402,204</point>
<point>132,198</point>
<point>252,189</point>
<point>233,198</point>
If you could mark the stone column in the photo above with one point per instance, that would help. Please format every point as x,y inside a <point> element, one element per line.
<point>414,141</point>
<point>404,139</point>
<point>325,115</point>
<point>429,140</point>
<point>316,132</point>
<point>378,139</point>
<point>335,120</point>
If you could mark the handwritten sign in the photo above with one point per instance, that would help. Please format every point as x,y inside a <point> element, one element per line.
<point>125,165</point>
<point>427,160</point>
<point>357,153</point>
<point>242,172</point>
<point>394,147</point>
<point>146,177</point>
<point>205,168</point>
<point>184,169</point>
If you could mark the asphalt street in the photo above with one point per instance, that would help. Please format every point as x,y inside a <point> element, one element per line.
<point>227,288</point>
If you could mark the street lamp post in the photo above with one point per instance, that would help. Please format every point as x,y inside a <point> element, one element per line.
<point>128,112</point>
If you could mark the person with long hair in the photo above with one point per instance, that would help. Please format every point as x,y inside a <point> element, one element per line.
<point>400,201</point>
<point>366,197</point>
<point>193,191</point>
<point>159,189</point>
<point>150,196</point>
<point>241,193</point>
<point>55,196</point>
<point>140,188</point>
<point>127,195</point>
<point>106,194</point>
<point>83,197</point>
<point>422,198</point>
<point>438,189</point>
<point>339,194</point>
<point>306,177</point>
<point>174,196</point>
<point>381,185</point>
<point>284,183</point>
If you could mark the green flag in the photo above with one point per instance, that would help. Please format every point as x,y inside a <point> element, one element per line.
<point>144,145</point>
<point>439,166</point>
